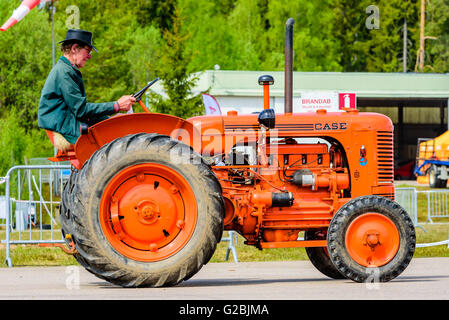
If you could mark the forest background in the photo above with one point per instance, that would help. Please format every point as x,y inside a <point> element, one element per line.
<point>173,39</point>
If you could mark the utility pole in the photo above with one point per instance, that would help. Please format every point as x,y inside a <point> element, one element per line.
<point>422,38</point>
<point>420,56</point>
<point>53,9</point>
<point>404,50</point>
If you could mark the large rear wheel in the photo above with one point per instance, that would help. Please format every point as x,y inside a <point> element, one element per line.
<point>146,211</point>
<point>65,215</point>
<point>319,256</point>
<point>371,238</point>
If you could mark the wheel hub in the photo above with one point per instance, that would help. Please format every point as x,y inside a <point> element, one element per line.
<point>372,240</point>
<point>148,212</point>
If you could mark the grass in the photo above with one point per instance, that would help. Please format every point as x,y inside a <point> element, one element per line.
<point>432,233</point>
<point>247,253</point>
<point>32,255</point>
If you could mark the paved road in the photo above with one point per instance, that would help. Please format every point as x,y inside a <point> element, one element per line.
<point>425,278</point>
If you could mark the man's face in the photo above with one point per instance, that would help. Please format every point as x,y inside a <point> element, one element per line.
<point>81,55</point>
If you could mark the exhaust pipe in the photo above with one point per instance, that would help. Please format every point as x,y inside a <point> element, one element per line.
<point>288,96</point>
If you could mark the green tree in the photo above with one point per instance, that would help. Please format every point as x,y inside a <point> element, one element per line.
<point>172,69</point>
<point>25,57</point>
<point>383,48</point>
<point>143,54</point>
<point>16,143</point>
<point>437,24</point>
<point>156,12</point>
<point>314,43</point>
<point>367,47</point>
<point>213,38</point>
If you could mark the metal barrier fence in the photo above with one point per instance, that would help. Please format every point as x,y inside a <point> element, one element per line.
<point>232,238</point>
<point>407,198</point>
<point>29,221</point>
<point>26,220</point>
<point>435,202</point>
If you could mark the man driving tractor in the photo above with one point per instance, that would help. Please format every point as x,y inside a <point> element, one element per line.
<point>63,105</point>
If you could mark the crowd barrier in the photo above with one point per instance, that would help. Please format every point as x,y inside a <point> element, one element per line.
<point>407,198</point>
<point>30,206</point>
<point>29,209</point>
<point>435,202</point>
<point>232,239</point>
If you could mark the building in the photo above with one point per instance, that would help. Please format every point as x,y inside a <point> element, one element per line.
<point>417,103</point>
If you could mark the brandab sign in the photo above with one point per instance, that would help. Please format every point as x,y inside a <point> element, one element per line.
<point>332,101</point>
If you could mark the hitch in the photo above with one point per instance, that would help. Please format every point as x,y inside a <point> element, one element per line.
<point>71,251</point>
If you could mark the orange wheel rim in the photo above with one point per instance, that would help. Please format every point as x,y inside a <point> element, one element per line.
<point>148,212</point>
<point>372,240</point>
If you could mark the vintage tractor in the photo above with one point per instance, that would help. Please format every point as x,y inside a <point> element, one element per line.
<point>150,194</point>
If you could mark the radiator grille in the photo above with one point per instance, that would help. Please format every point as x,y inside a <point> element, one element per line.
<point>385,162</point>
<point>386,195</point>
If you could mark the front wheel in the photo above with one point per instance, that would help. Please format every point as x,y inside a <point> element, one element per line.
<point>146,211</point>
<point>371,238</point>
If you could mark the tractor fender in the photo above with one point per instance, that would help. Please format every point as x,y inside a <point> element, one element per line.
<point>122,125</point>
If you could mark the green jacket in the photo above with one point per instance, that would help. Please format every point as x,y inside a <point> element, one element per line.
<point>63,105</point>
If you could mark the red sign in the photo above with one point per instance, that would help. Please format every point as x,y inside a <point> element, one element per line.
<point>346,100</point>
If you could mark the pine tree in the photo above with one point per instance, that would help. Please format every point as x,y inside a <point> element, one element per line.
<point>371,35</point>
<point>172,69</point>
<point>437,25</point>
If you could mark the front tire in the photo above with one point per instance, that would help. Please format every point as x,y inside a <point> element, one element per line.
<point>371,238</point>
<point>146,212</point>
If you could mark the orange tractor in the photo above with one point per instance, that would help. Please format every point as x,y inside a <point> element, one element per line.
<point>151,194</point>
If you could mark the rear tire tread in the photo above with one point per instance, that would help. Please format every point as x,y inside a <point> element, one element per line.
<point>97,260</point>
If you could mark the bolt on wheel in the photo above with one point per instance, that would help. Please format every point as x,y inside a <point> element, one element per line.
<point>371,232</point>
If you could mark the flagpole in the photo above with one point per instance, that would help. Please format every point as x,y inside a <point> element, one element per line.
<point>55,151</point>
<point>53,31</point>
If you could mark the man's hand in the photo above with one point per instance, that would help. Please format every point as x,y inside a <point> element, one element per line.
<point>125,103</point>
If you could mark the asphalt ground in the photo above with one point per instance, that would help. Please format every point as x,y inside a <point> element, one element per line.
<point>424,279</point>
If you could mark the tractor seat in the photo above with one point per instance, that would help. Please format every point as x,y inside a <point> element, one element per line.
<point>66,150</point>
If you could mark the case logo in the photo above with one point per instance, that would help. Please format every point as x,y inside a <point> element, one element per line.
<point>331,126</point>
